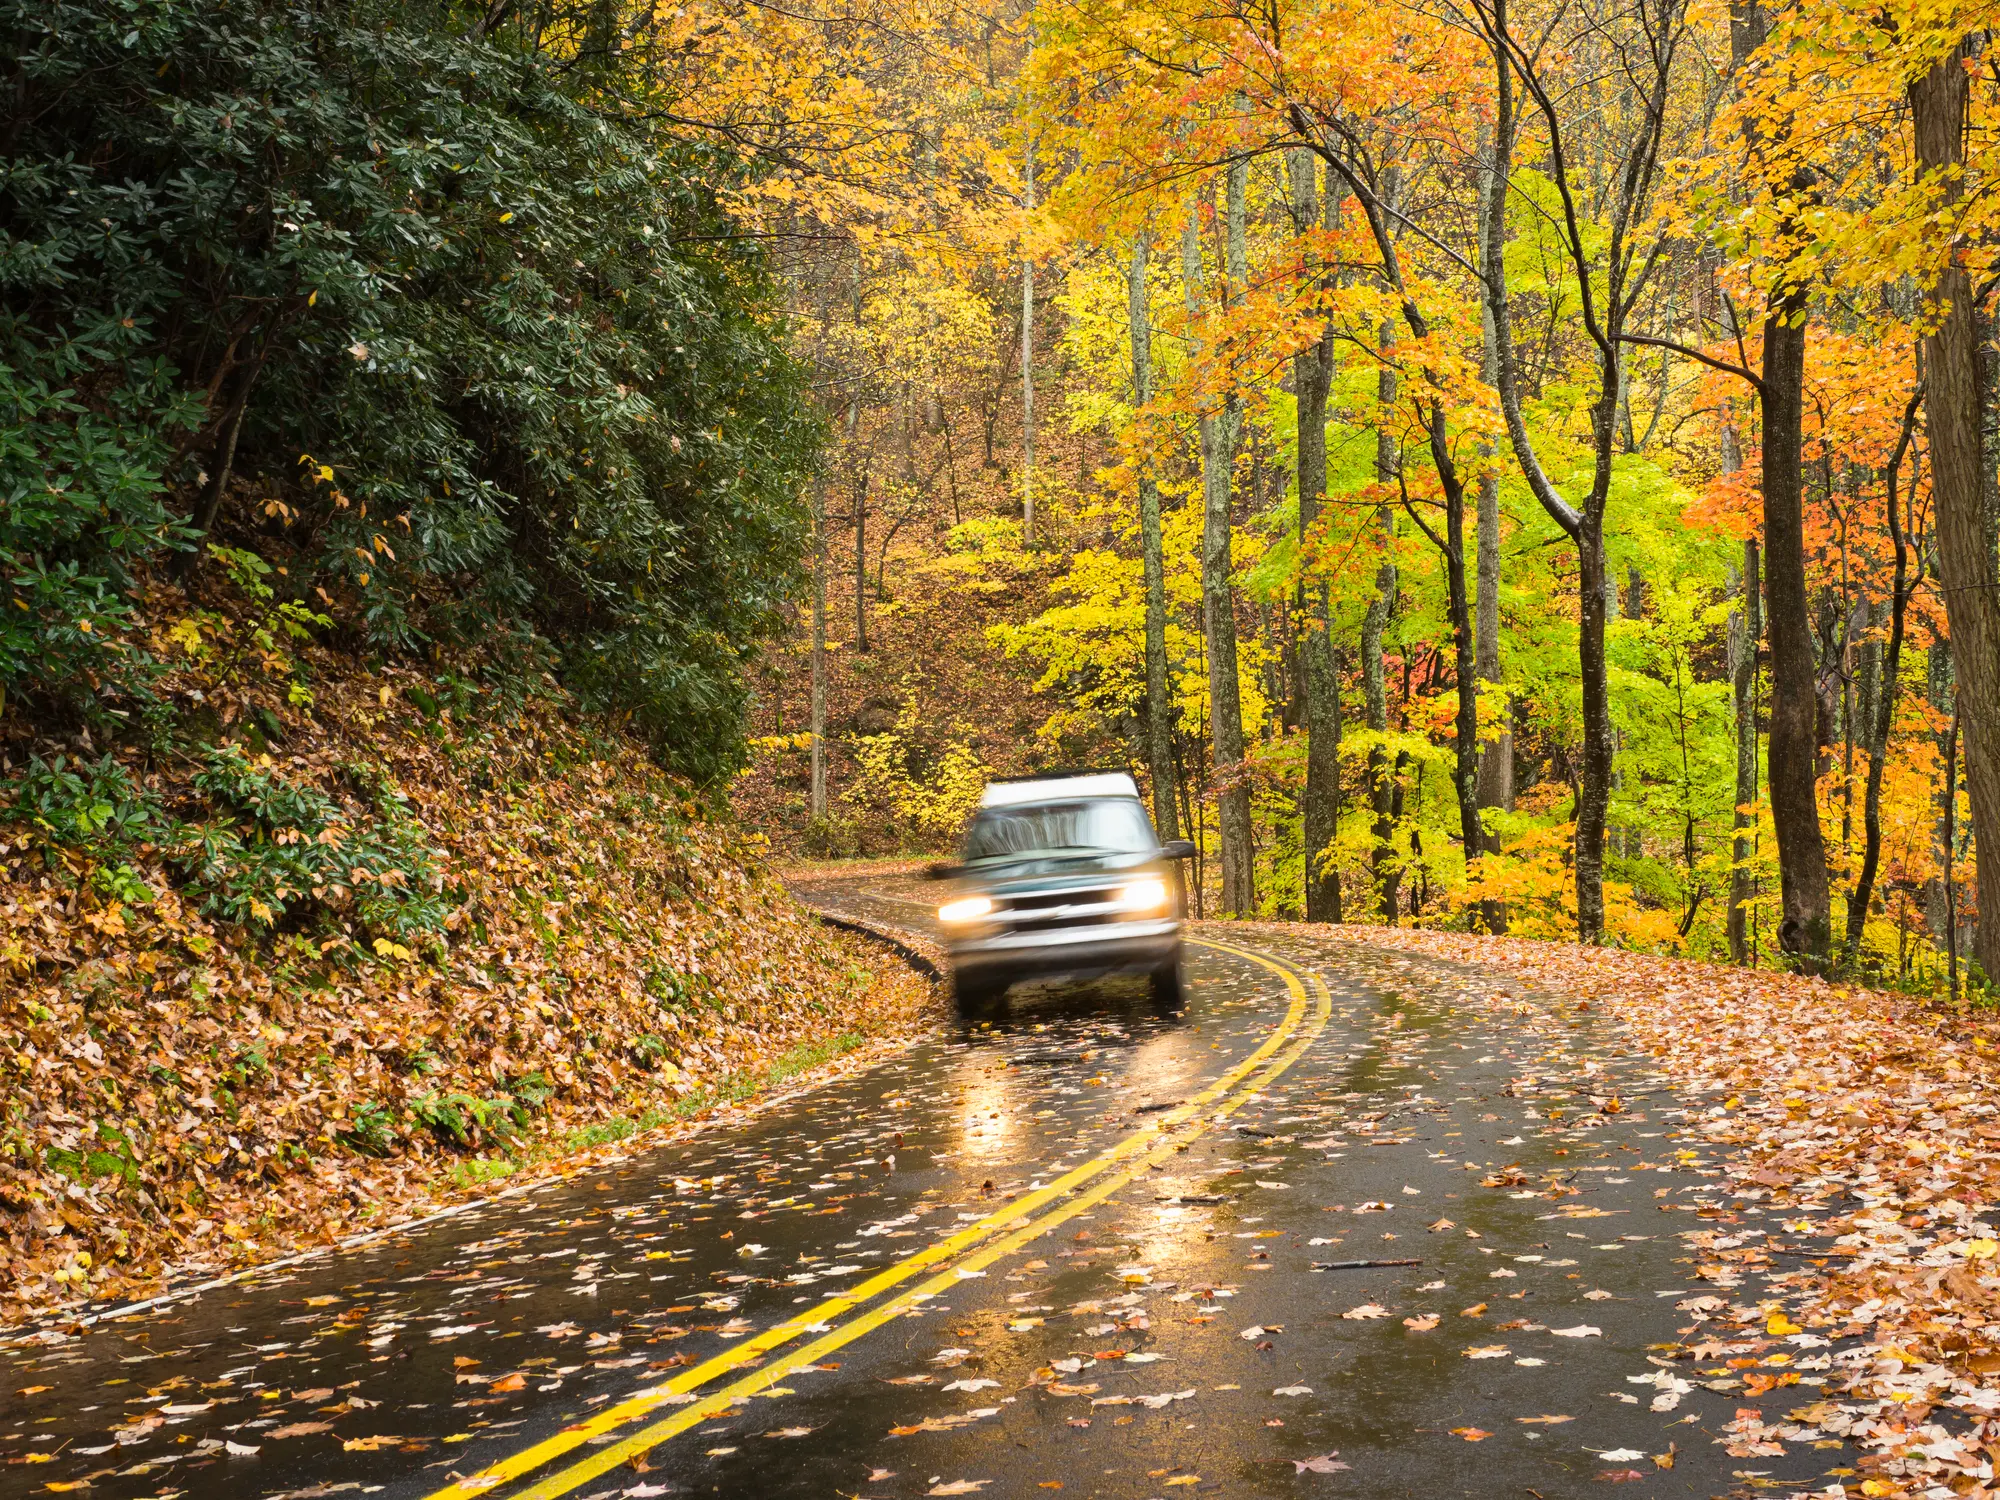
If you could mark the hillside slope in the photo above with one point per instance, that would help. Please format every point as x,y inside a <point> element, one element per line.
<point>359,948</point>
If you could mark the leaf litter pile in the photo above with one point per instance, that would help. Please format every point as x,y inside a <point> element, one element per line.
<point>220,1049</point>
<point>1863,1136</point>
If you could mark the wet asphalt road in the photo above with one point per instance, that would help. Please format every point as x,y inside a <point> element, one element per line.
<point>1153,1320</point>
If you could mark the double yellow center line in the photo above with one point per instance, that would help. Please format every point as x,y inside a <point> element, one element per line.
<point>972,1248</point>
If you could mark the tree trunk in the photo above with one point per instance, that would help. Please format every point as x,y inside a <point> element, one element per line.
<point>1804,929</point>
<point>1465,772</point>
<point>1745,631</point>
<point>1218,445</point>
<point>1966,564</point>
<point>1887,677</point>
<point>1028,376</point>
<point>818,802</point>
<point>1939,689</point>
<point>1312,375</point>
<point>1159,708</point>
<point>1232,772</point>
<point>1496,756</point>
<point>1593,800</point>
<point>1381,780</point>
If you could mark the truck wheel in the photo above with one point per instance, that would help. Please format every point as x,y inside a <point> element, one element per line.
<point>976,994</point>
<point>1169,986</point>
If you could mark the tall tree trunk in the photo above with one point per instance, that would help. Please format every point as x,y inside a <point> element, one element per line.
<point>1804,927</point>
<point>1888,677</point>
<point>1966,564</point>
<point>818,802</point>
<point>1465,774</point>
<point>1593,801</point>
<point>861,559</point>
<point>1232,773</point>
<point>1939,688</point>
<point>1159,708</point>
<point>1746,629</point>
<point>1218,433</point>
<point>1381,779</point>
<point>1805,922</point>
<point>858,483</point>
<point>1585,525</point>
<point>1496,756</point>
<point>1028,376</point>
<point>1312,376</point>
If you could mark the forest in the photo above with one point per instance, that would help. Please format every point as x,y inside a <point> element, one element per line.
<point>1512,468</point>
<point>1517,467</point>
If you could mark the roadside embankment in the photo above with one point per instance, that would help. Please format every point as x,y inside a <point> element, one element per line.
<point>336,964</point>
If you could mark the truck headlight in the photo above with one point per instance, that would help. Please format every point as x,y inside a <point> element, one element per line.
<point>971,909</point>
<point>1141,895</point>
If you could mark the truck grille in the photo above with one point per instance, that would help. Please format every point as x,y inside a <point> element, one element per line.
<point>1055,910</point>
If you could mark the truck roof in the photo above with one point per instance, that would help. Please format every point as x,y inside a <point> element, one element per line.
<point>1057,786</point>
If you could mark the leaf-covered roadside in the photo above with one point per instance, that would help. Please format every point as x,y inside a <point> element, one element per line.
<point>1865,1138</point>
<point>366,955</point>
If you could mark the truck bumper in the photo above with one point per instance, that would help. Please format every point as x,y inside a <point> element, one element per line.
<point>1099,949</point>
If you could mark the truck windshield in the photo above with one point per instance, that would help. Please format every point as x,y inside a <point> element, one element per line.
<point>1113,826</point>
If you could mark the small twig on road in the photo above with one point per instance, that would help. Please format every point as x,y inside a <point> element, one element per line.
<point>1359,1265</point>
<point>1192,1198</point>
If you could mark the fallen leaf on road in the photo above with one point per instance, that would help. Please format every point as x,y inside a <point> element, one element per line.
<point>1324,1463</point>
<point>974,1384</point>
<point>1365,1311</point>
<point>1423,1324</point>
<point>299,1429</point>
<point>1620,1476</point>
<point>1471,1434</point>
<point>1581,1331</point>
<point>1477,1310</point>
<point>1293,1390</point>
<point>1546,1421</point>
<point>514,1382</point>
<point>1621,1455</point>
<point>959,1487</point>
<point>1597,1295</point>
<point>1486,1351</point>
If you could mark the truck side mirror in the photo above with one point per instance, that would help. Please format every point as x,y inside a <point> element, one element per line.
<point>942,869</point>
<point>1177,849</point>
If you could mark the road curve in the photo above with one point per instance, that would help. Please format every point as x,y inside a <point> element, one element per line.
<point>1082,1247</point>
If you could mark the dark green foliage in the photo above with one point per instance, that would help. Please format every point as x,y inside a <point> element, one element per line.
<point>281,845</point>
<point>268,851</point>
<point>498,354</point>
